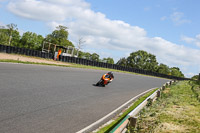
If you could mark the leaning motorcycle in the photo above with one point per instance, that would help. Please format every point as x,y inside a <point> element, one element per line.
<point>103,81</point>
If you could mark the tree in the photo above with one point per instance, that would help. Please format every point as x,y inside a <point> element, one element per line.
<point>122,62</point>
<point>195,77</point>
<point>80,54</point>
<point>4,36</point>
<point>108,60</point>
<point>142,60</point>
<point>59,36</point>
<point>87,56</point>
<point>15,39</point>
<point>11,29</point>
<point>80,43</point>
<point>175,71</point>
<point>31,40</point>
<point>9,35</point>
<point>38,44</point>
<point>95,57</point>
<point>164,69</point>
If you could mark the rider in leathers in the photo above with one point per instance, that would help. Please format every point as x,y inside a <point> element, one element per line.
<point>107,78</point>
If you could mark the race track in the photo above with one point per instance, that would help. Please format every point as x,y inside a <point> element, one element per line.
<point>48,99</point>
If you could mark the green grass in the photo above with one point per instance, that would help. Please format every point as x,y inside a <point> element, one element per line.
<point>177,111</point>
<point>28,62</point>
<point>67,65</point>
<point>196,88</point>
<point>109,127</point>
<point>70,65</point>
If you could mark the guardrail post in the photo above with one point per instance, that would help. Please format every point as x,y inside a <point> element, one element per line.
<point>133,121</point>
<point>158,93</point>
<point>163,87</point>
<point>167,84</point>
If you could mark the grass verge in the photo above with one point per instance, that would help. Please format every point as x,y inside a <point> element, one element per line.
<point>70,65</point>
<point>67,65</point>
<point>28,62</point>
<point>177,111</point>
<point>109,127</point>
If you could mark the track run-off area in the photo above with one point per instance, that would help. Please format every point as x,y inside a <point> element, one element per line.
<point>50,99</point>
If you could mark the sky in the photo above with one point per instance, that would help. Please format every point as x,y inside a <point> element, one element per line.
<point>168,29</point>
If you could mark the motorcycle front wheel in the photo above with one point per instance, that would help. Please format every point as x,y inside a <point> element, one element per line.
<point>100,83</point>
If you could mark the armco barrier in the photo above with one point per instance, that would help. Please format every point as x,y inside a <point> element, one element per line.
<point>121,127</point>
<point>131,118</point>
<point>29,52</point>
<point>111,115</point>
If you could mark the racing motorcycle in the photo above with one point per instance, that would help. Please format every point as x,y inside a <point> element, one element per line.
<point>105,80</point>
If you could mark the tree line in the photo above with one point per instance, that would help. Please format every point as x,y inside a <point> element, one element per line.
<point>147,61</point>
<point>9,35</point>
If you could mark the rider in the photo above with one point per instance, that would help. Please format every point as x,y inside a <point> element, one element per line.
<point>108,77</point>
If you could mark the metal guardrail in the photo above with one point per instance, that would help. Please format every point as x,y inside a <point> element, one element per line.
<point>109,116</point>
<point>131,117</point>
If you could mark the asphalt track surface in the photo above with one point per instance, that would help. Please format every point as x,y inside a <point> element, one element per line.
<point>48,99</point>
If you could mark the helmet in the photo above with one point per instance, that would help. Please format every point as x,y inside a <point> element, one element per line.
<point>111,74</point>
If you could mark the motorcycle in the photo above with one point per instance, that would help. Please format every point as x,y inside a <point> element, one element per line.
<point>105,80</point>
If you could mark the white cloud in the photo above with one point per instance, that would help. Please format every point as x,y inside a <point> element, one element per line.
<point>2,24</point>
<point>178,18</point>
<point>37,10</point>
<point>190,40</point>
<point>187,39</point>
<point>163,18</point>
<point>102,34</point>
<point>1,1</point>
<point>52,25</point>
<point>49,10</point>
<point>198,36</point>
<point>147,8</point>
<point>191,74</point>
